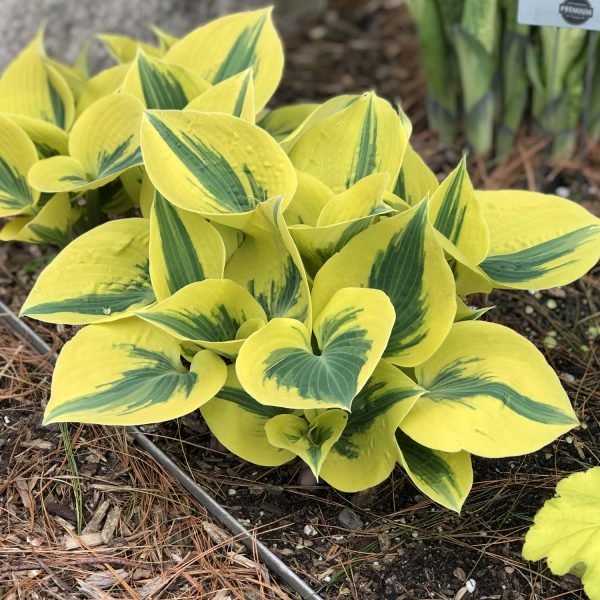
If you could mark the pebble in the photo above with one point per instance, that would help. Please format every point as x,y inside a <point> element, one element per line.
<point>551,304</point>
<point>231,492</point>
<point>309,531</point>
<point>348,518</point>
<point>471,585</point>
<point>562,191</point>
<point>529,310</point>
<point>550,342</point>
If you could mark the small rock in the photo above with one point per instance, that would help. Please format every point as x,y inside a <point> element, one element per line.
<point>309,531</point>
<point>509,570</point>
<point>470,585</point>
<point>459,574</point>
<point>551,304</point>
<point>349,519</point>
<point>562,191</point>
<point>231,492</point>
<point>550,342</point>
<point>529,309</point>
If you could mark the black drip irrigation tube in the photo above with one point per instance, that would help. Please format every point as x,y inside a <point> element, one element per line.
<point>220,514</point>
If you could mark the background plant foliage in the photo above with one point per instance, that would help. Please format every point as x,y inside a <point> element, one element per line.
<point>300,279</point>
<point>484,70</point>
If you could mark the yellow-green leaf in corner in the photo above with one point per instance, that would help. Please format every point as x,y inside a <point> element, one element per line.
<point>538,241</point>
<point>49,140</point>
<point>400,255</point>
<point>232,44</point>
<point>17,155</point>
<point>51,225</point>
<point>159,84</point>
<point>456,214</point>
<point>468,313</point>
<point>124,49</point>
<point>281,122</point>
<point>137,377</point>
<point>489,391</point>
<point>367,451</point>
<point>104,142</point>
<point>311,441</point>
<point>234,96</point>
<point>446,477</point>
<point>268,265</point>
<point>214,164</point>
<point>184,248</point>
<point>364,138</point>
<point>211,313</point>
<point>238,422</point>
<point>100,276</point>
<point>31,88</point>
<point>566,530</point>
<point>415,180</point>
<point>277,365</point>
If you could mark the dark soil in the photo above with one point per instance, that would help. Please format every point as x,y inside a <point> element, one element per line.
<point>409,547</point>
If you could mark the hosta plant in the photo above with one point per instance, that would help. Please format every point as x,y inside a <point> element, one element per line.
<point>566,530</point>
<point>301,282</point>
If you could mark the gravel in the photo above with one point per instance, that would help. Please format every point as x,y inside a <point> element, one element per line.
<point>69,23</point>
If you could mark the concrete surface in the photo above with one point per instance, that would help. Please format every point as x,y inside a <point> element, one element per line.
<point>69,23</point>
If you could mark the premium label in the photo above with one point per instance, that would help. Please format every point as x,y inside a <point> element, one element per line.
<point>582,14</point>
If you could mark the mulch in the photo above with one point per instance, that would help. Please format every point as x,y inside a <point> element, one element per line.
<point>402,546</point>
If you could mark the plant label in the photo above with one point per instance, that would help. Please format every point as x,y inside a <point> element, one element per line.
<point>579,14</point>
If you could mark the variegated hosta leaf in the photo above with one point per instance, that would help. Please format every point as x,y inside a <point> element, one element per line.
<point>456,214</point>
<point>343,216</point>
<point>124,49</point>
<point>210,313</point>
<point>104,143</point>
<point>415,180</point>
<point>232,44</point>
<point>538,241</point>
<point>49,139</point>
<point>232,239</point>
<point>308,201</point>
<point>234,96</point>
<point>468,313</point>
<point>74,78</point>
<point>137,377</point>
<point>367,451</point>
<point>100,276</point>
<point>446,477</point>
<point>51,225</point>
<point>489,392</point>
<point>281,122</point>
<point>469,278</point>
<point>268,265</point>
<point>366,137</point>
<point>103,84</point>
<point>238,422</point>
<point>34,89</point>
<point>277,365</point>
<point>132,180</point>
<point>214,164</point>
<point>312,441</point>
<point>401,256</point>
<point>184,248</point>
<point>17,155</point>
<point>159,84</point>
<point>320,113</point>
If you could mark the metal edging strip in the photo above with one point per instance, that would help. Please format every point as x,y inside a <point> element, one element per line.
<point>267,557</point>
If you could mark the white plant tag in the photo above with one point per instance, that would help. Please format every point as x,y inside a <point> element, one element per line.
<point>579,14</point>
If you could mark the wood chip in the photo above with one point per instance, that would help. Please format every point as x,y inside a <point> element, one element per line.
<point>220,536</point>
<point>104,579</point>
<point>39,443</point>
<point>112,520</point>
<point>94,522</point>
<point>81,541</point>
